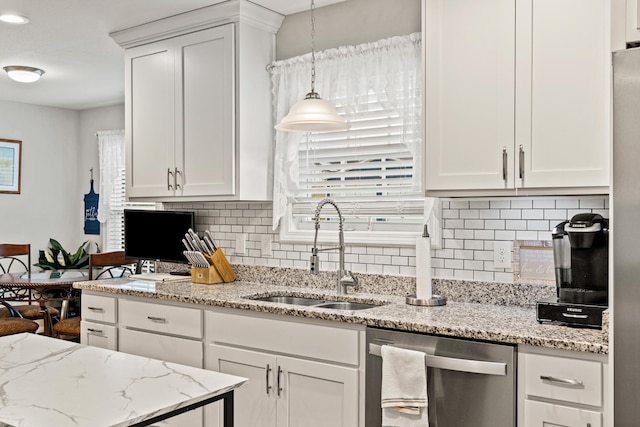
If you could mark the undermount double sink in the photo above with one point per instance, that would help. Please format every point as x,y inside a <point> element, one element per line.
<point>316,302</point>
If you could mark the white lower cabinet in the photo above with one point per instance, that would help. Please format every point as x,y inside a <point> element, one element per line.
<point>284,391</point>
<point>156,320</point>
<point>99,335</point>
<point>562,388</point>
<point>540,414</point>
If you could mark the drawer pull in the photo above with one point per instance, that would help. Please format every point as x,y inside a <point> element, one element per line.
<point>98,309</point>
<point>157,319</point>
<point>575,316</point>
<point>564,381</point>
<point>95,331</point>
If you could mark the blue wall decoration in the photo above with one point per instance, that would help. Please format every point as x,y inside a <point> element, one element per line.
<point>91,224</point>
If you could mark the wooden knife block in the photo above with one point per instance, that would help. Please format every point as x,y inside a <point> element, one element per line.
<point>220,271</point>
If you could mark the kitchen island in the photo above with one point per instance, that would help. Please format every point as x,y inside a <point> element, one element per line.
<point>47,381</point>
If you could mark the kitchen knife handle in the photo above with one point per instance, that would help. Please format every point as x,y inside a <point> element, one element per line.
<point>278,384</point>
<point>504,163</point>
<point>169,175</point>
<point>521,162</point>
<point>268,371</point>
<point>175,178</point>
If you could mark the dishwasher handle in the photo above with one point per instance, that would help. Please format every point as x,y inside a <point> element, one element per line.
<point>455,364</point>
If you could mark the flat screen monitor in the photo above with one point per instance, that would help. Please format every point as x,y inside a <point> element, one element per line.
<point>156,235</point>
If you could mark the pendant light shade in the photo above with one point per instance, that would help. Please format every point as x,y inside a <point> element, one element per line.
<point>312,114</point>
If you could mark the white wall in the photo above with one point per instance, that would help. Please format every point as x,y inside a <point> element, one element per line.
<point>58,148</point>
<point>351,22</point>
<point>48,205</point>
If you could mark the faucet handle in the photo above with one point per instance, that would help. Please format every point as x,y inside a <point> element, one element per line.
<point>348,279</point>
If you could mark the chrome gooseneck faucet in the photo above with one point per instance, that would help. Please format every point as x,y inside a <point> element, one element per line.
<point>345,277</point>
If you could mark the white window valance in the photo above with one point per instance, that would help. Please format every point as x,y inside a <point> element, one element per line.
<point>377,88</point>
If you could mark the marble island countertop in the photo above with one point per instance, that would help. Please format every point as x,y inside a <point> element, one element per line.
<point>497,323</point>
<point>51,382</point>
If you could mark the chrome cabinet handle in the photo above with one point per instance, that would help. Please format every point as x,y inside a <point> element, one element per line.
<point>175,178</point>
<point>575,316</point>
<point>157,319</point>
<point>169,175</point>
<point>95,331</point>
<point>278,382</point>
<point>521,162</point>
<point>268,371</point>
<point>564,381</point>
<point>504,163</point>
<point>98,309</point>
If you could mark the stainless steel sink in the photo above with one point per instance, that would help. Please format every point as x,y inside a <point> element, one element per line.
<point>346,305</point>
<point>285,299</point>
<point>316,302</point>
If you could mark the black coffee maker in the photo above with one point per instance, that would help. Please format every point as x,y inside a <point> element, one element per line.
<point>580,254</point>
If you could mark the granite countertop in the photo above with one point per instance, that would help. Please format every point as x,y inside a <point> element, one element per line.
<point>490,322</point>
<point>47,381</point>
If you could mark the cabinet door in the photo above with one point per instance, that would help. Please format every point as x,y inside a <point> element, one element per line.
<point>562,93</point>
<point>255,401</point>
<point>469,97</point>
<point>205,138</point>
<point>149,113</point>
<point>539,414</point>
<point>169,349</point>
<point>99,335</point>
<point>633,21</point>
<point>315,394</point>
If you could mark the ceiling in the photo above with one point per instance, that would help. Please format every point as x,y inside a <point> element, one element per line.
<point>69,39</point>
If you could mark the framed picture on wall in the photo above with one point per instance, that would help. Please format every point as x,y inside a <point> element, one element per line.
<point>10,163</point>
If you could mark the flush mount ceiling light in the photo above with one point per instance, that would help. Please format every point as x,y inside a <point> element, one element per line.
<point>23,74</point>
<point>12,18</point>
<point>312,114</point>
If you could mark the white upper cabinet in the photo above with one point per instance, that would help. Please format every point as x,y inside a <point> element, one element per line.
<point>198,104</point>
<point>633,21</point>
<point>517,96</point>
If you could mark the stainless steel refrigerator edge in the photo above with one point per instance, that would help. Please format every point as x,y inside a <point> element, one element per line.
<point>626,236</point>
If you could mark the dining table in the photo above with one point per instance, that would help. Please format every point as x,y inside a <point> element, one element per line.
<point>51,382</point>
<point>48,286</point>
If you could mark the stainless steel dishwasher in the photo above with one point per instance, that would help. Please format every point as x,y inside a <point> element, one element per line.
<point>469,383</point>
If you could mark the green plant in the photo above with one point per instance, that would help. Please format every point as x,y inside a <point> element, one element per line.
<point>55,257</point>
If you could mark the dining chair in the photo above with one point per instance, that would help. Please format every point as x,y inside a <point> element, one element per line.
<point>106,265</point>
<point>12,260</point>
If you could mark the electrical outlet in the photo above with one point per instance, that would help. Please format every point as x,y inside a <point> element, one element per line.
<point>241,244</point>
<point>265,245</point>
<point>502,254</point>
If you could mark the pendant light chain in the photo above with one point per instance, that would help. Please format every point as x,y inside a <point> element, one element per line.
<point>313,46</point>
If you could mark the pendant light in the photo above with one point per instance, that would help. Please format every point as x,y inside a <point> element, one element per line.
<point>312,114</point>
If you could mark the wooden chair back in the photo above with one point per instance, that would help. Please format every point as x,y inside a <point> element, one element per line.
<point>116,263</point>
<point>9,254</point>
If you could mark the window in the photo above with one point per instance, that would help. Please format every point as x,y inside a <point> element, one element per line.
<point>373,171</point>
<point>113,201</point>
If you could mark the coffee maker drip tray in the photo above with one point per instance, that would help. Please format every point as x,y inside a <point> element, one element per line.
<point>550,310</point>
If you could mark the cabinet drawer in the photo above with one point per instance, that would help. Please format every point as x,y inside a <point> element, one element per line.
<point>162,347</point>
<point>284,336</point>
<point>99,335</point>
<point>161,318</point>
<point>571,380</point>
<point>99,308</point>
<point>539,414</point>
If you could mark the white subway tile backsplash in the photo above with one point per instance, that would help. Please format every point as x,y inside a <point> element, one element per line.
<point>470,227</point>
